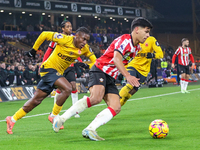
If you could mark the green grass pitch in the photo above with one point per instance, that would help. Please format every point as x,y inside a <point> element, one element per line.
<point>127,130</point>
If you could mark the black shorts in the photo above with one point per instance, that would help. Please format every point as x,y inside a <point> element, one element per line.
<point>69,74</point>
<point>98,77</point>
<point>47,81</point>
<point>184,69</point>
<point>132,71</point>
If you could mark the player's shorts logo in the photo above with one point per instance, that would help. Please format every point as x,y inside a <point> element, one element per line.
<point>101,80</point>
<point>58,74</point>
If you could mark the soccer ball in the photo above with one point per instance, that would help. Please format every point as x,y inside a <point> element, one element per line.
<point>158,129</point>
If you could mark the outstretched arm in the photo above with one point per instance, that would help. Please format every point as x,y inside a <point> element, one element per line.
<point>119,64</point>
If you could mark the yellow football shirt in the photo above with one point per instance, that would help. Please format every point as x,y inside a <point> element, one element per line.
<point>64,53</point>
<point>140,62</point>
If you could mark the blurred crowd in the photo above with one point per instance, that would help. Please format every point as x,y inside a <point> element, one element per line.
<point>18,69</point>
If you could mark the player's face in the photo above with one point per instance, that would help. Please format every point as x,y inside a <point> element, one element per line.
<point>81,39</point>
<point>186,43</point>
<point>142,34</point>
<point>67,29</point>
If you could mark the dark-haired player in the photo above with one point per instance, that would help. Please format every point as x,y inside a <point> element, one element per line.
<point>102,79</point>
<point>140,66</point>
<point>183,53</point>
<point>67,50</point>
<point>69,73</point>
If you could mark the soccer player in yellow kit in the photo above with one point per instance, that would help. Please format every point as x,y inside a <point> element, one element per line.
<point>140,66</point>
<point>67,50</point>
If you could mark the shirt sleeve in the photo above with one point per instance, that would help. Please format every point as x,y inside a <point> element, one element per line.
<point>59,38</point>
<point>158,50</point>
<point>89,53</point>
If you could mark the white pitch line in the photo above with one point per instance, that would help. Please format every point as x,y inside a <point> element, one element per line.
<point>105,104</point>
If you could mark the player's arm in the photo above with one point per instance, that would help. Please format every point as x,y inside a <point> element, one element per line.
<point>49,36</point>
<point>90,55</point>
<point>49,50</point>
<point>173,60</point>
<point>158,51</point>
<point>192,59</point>
<point>119,64</point>
<point>79,59</point>
<point>174,57</point>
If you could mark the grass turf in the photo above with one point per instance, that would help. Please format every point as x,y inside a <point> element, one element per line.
<point>128,130</point>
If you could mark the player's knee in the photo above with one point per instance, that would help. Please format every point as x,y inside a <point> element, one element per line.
<point>73,85</point>
<point>117,109</point>
<point>67,90</point>
<point>95,100</point>
<point>37,102</point>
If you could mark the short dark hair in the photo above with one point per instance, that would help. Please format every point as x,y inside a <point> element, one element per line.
<point>62,25</point>
<point>184,39</point>
<point>142,22</point>
<point>83,29</point>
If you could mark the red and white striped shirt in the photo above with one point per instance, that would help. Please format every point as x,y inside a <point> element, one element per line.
<point>123,44</point>
<point>183,56</point>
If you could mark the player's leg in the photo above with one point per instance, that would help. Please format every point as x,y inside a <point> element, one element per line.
<point>70,76</point>
<point>97,84</point>
<point>186,79</point>
<point>114,107</point>
<point>128,90</point>
<point>65,89</point>
<point>28,106</point>
<point>82,104</point>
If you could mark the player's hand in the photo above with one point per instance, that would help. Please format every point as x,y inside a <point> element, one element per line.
<point>83,65</point>
<point>133,81</point>
<point>150,55</point>
<point>193,64</point>
<point>31,53</point>
<point>173,66</point>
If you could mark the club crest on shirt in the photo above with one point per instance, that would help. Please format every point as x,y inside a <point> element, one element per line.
<point>146,44</point>
<point>101,79</point>
<point>71,53</point>
<point>79,51</point>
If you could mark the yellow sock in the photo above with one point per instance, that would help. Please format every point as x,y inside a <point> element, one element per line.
<point>19,114</point>
<point>56,109</point>
<point>124,93</point>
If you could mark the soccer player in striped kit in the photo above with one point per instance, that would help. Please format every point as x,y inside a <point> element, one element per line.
<point>183,53</point>
<point>102,79</point>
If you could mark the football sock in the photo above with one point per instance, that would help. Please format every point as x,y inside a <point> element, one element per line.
<point>18,115</point>
<point>55,97</point>
<point>74,96</point>
<point>124,93</point>
<point>182,84</point>
<point>185,85</point>
<point>56,110</point>
<point>102,118</point>
<point>77,108</point>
